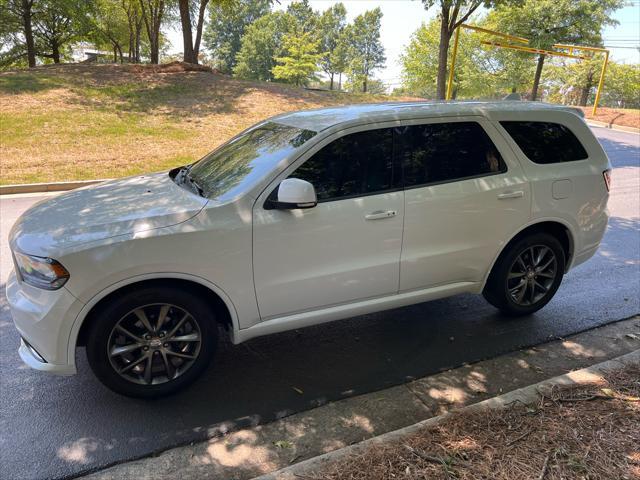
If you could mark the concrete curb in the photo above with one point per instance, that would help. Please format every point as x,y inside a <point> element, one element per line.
<point>46,187</point>
<point>527,395</point>
<point>619,128</point>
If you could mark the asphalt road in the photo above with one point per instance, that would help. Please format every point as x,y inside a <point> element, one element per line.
<point>54,427</point>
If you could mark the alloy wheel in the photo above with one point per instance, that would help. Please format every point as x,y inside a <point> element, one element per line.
<point>154,344</point>
<point>531,275</point>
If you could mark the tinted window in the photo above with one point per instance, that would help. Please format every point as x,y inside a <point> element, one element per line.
<point>247,158</point>
<point>544,142</point>
<point>444,152</point>
<point>353,165</point>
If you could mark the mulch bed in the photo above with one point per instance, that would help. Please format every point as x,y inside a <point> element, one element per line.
<point>585,432</point>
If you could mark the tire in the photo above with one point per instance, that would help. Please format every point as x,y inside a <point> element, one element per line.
<point>160,358</point>
<point>523,261</point>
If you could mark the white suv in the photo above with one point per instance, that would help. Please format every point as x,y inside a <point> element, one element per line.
<point>305,218</point>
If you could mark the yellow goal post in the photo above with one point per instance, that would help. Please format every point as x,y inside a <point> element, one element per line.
<point>522,44</point>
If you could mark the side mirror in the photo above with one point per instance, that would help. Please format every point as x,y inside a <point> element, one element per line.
<point>293,193</point>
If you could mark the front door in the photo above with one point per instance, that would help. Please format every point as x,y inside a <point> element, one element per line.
<point>345,249</point>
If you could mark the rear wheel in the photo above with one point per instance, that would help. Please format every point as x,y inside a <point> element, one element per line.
<point>527,275</point>
<point>151,342</point>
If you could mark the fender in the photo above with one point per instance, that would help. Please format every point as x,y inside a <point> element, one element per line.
<point>523,227</point>
<point>80,318</point>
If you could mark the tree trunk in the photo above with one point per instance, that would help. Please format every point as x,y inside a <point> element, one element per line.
<point>340,81</point>
<point>331,84</point>
<point>28,32</point>
<point>586,89</point>
<point>199,27</point>
<point>536,78</point>
<point>115,54</point>
<point>55,52</point>
<point>364,85</point>
<point>187,38</point>
<point>443,51</point>
<point>136,55</point>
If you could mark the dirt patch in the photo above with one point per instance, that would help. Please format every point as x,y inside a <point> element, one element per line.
<point>614,116</point>
<point>585,432</point>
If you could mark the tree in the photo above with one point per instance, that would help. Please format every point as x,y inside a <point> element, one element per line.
<point>366,52</point>
<point>478,72</point>
<point>331,27</point>
<point>191,46</point>
<point>453,13</point>
<point>261,44</point>
<point>227,25</point>
<point>16,30</point>
<point>110,27</point>
<point>300,63</point>
<point>305,19</point>
<point>622,86</point>
<point>547,22</point>
<point>153,13</point>
<point>132,9</point>
<point>57,23</point>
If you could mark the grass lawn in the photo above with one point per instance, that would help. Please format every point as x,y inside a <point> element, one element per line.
<point>79,122</point>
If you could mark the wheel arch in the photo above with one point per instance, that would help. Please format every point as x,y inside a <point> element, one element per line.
<point>556,227</point>
<point>216,298</point>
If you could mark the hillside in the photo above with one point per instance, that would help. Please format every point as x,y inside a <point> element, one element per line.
<point>77,122</point>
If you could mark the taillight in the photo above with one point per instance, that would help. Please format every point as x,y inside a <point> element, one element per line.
<point>607,179</point>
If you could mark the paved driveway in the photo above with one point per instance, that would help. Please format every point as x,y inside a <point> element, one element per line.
<point>53,427</point>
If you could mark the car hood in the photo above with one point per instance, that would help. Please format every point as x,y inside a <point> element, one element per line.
<point>118,207</point>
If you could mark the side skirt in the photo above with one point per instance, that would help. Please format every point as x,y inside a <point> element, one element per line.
<point>338,312</point>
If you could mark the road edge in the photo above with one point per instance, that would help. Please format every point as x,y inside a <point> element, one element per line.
<point>526,395</point>
<point>47,187</point>
<point>618,128</point>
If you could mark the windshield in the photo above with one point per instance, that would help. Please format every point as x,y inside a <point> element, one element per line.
<point>246,159</point>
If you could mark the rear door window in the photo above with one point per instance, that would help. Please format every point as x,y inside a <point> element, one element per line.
<point>546,142</point>
<point>445,152</point>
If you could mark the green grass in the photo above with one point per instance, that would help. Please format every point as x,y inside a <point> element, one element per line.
<point>78,122</point>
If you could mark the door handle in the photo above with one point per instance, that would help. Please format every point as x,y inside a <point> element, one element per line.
<point>379,214</point>
<point>516,194</point>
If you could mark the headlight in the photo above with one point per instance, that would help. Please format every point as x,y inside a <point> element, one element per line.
<point>40,272</point>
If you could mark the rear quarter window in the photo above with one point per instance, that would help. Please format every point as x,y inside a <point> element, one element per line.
<point>546,142</point>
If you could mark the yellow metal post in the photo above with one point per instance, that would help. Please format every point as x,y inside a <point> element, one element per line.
<point>453,63</point>
<point>601,82</point>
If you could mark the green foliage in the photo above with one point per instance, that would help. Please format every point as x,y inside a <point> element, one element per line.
<point>228,22</point>
<point>261,44</point>
<point>57,23</point>
<point>300,63</point>
<point>546,22</point>
<point>333,40</point>
<point>622,86</point>
<point>366,52</point>
<point>305,20</point>
<point>110,30</point>
<point>476,73</point>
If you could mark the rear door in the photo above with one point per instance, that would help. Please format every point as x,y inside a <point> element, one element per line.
<point>465,196</point>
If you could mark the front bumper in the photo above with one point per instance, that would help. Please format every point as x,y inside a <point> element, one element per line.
<point>44,320</point>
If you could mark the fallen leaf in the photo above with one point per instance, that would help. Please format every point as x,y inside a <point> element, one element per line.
<point>283,444</point>
<point>297,390</point>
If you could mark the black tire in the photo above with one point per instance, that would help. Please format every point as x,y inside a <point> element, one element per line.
<point>181,305</point>
<point>504,286</point>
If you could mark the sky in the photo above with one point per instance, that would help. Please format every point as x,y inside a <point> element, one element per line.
<point>403,17</point>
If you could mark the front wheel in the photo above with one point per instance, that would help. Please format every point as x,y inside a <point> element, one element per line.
<point>151,342</point>
<point>527,275</point>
